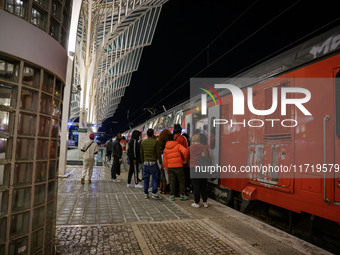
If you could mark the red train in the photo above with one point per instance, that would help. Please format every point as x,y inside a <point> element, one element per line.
<point>315,140</point>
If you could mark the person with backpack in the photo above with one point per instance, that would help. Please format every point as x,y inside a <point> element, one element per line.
<point>90,148</point>
<point>133,153</point>
<point>117,158</point>
<point>196,151</point>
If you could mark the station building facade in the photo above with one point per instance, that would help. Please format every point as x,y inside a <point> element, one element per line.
<point>33,60</point>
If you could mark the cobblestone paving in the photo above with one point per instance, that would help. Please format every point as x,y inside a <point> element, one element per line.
<point>187,238</point>
<point>114,239</point>
<point>105,202</point>
<point>108,218</point>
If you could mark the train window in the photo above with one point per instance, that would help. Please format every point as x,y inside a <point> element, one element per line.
<point>188,129</point>
<point>169,120</point>
<point>154,125</point>
<point>161,122</point>
<point>212,134</point>
<point>178,118</point>
<point>337,102</point>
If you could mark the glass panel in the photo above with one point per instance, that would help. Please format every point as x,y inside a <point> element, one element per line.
<point>3,202</point>
<point>46,104</point>
<point>44,3</point>
<point>47,250</point>
<point>64,38</point>
<point>2,247</point>
<point>26,124</point>
<point>19,224</point>
<point>6,121</point>
<point>42,149</point>
<point>68,5</point>
<point>29,100</point>
<point>51,191</point>
<point>5,148</point>
<point>8,94</point>
<point>56,108</point>
<point>17,7</point>
<point>50,212</point>
<point>31,76</point>
<point>3,225</point>
<point>51,170</point>
<point>37,240</point>
<point>39,18</point>
<point>58,88</point>
<point>38,217</point>
<point>48,82</point>
<point>40,172</point>
<point>5,172</point>
<point>23,173</point>
<point>44,126</point>
<point>54,148</point>
<point>25,148</point>
<point>55,128</point>
<point>21,199</point>
<point>18,246</point>
<point>54,28</point>
<point>66,20</point>
<point>56,9</point>
<point>39,194</point>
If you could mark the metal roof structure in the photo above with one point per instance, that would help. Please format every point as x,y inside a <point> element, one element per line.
<point>111,35</point>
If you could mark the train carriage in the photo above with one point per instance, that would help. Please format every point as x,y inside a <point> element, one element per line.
<point>315,66</point>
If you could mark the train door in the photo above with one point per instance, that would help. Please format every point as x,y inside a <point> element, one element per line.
<point>214,138</point>
<point>336,75</point>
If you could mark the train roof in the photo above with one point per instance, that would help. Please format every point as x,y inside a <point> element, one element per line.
<point>312,50</point>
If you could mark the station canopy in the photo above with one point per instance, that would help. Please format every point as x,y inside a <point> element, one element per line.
<point>111,36</point>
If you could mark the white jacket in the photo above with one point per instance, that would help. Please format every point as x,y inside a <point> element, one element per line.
<point>91,149</point>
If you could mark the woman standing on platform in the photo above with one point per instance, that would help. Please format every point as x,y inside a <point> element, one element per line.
<point>164,177</point>
<point>198,149</point>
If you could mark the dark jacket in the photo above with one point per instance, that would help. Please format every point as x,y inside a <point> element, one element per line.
<point>117,149</point>
<point>109,145</point>
<point>150,150</point>
<point>134,147</point>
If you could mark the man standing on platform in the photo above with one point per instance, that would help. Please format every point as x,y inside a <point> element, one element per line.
<point>109,148</point>
<point>90,148</point>
<point>133,153</point>
<point>150,152</point>
<point>117,158</point>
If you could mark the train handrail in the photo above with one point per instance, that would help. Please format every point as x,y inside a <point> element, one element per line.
<point>327,117</point>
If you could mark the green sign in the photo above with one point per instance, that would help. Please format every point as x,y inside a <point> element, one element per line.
<point>82,130</point>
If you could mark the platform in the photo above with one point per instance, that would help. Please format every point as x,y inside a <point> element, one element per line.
<point>108,218</point>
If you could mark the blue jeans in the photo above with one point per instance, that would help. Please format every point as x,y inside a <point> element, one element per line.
<point>154,171</point>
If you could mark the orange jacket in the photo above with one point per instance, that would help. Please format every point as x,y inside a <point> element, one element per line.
<point>174,155</point>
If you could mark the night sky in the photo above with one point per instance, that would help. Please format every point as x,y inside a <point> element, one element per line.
<point>214,38</point>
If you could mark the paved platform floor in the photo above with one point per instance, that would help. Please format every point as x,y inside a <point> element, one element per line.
<point>108,218</point>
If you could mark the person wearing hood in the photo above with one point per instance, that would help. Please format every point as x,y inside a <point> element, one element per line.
<point>117,158</point>
<point>133,154</point>
<point>198,149</point>
<point>90,148</point>
<point>174,156</point>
